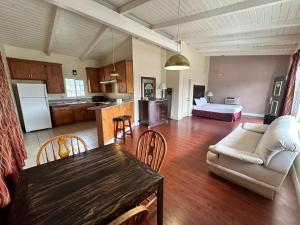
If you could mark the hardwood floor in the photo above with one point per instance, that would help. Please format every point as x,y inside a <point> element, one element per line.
<point>193,196</point>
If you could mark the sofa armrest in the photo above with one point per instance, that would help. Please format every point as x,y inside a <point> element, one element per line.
<point>237,154</point>
<point>258,128</point>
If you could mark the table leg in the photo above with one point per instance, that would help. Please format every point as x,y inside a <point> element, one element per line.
<point>160,202</point>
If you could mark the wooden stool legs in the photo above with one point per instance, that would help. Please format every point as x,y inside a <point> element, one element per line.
<point>117,122</point>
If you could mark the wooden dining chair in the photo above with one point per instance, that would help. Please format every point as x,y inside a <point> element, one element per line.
<point>60,147</point>
<point>152,149</point>
<point>135,216</point>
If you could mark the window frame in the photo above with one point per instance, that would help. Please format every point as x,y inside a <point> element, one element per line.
<point>77,88</point>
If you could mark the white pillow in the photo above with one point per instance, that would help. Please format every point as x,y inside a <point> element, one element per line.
<point>203,100</point>
<point>200,101</point>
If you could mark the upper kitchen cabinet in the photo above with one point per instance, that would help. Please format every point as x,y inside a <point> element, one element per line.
<point>93,80</point>
<point>125,78</point>
<point>21,69</point>
<point>55,81</point>
<point>104,75</point>
<point>37,70</point>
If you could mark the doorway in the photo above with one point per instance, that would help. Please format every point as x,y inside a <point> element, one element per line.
<point>186,97</point>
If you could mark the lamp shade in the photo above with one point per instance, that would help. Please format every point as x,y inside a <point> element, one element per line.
<point>210,94</point>
<point>114,73</point>
<point>162,86</point>
<point>177,62</point>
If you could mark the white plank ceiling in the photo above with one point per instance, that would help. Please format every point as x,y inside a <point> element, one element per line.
<point>213,27</point>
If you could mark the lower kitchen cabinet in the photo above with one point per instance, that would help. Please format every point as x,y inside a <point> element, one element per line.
<point>67,114</point>
<point>62,115</point>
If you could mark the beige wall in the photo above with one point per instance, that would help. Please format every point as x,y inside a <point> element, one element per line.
<point>147,62</point>
<point>248,77</point>
<point>69,63</point>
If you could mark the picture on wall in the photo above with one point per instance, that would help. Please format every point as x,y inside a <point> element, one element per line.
<point>148,87</point>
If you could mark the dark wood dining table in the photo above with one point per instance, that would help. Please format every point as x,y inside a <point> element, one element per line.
<point>94,187</point>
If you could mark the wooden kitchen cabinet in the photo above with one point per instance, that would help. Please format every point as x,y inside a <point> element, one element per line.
<point>51,73</point>
<point>105,88</point>
<point>125,78</point>
<point>55,80</point>
<point>21,69</point>
<point>72,113</point>
<point>37,70</point>
<point>93,80</point>
<point>62,115</point>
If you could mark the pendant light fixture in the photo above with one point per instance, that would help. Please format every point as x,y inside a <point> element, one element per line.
<point>178,61</point>
<point>114,72</point>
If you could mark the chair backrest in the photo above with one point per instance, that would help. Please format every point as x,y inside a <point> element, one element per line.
<point>152,149</point>
<point>59,147</point>
<point>134,216</point>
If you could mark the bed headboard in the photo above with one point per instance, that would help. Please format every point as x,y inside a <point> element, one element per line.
<point>199,92</point>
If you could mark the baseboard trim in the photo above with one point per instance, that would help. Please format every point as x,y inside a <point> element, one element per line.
<point>252,114</point>
<point>296,182</point>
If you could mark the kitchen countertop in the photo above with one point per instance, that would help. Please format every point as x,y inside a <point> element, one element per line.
<point>77,103</point>
<point>102,106</point>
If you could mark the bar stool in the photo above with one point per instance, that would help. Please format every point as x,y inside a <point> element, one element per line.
<point>122,120</point>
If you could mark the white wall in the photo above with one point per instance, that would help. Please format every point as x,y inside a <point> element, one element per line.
<point>69,63</point>
<point>148,61</point>
<point>198,73</point>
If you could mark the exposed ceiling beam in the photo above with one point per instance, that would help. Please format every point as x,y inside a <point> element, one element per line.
<point>283,39</point>
<point>97,12</point>
<point>246,49</point>
<point>229,38</point>
<point>243,29</point>
<point>94,43</point>
<point>243,53</point>
<point>237,7</point>
<point>52,30</point>
<point>128,7</point>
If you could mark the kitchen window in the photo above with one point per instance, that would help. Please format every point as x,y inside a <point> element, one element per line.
<point>74,88</point>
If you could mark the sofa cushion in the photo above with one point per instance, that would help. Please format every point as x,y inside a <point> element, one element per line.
<point>281,135</point>
<point>237,154</point>
<point>241,139</point>
<point>258,128</point>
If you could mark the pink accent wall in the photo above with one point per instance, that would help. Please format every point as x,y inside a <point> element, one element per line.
<point>248,77</point>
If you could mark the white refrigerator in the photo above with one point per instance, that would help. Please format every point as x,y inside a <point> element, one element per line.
<point>34,106</point>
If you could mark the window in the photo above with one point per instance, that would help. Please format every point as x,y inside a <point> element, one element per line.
<point>74,88</point>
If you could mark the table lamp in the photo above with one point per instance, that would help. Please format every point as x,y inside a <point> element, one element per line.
<point>162,87</point>
<point>209,95</point>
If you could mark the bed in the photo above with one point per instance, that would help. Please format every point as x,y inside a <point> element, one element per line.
<point>223,112</point>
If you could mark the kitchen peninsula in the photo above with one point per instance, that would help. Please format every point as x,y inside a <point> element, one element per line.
<point>104,119</point>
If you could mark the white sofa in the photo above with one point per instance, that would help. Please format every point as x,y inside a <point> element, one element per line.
<point>257,157</point>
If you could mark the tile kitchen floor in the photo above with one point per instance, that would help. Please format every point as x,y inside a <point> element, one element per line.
<point>86,130</point>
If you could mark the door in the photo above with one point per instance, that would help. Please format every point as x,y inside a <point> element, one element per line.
<point>36,114</point>
<point>276,99</point>
<point>186,103</point>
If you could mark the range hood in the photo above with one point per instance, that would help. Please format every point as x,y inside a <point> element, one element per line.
<point>108,81</point>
